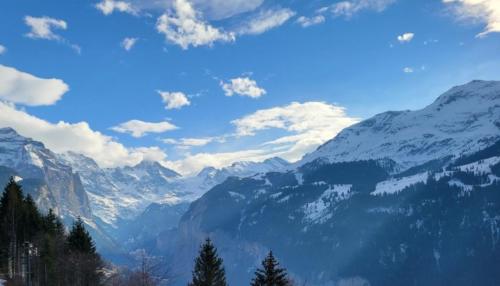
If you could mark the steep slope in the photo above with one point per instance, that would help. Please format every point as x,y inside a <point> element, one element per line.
<point>123,193</point>
<point>404,198</point>
<point>50,181</point>
<point>461,121</point>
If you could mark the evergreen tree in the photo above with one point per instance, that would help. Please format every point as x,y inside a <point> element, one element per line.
<point>79,239</point>
<point>270,274</point>
<point>208,268</point>
<point>11,213</point>
<point>83,260</point>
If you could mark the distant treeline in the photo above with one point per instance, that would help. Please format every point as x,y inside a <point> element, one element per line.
<point>35,249</point>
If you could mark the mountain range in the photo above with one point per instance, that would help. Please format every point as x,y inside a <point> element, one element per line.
<point>402,198</point>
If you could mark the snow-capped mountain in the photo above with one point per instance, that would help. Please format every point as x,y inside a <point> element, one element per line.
<point>51,182</point>
<point>123,193</point>
<point>414,189</point>
<point>461,121</point>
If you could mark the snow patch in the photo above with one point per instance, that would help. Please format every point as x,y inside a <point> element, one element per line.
<point>396,185</point>
<point>318,210</point>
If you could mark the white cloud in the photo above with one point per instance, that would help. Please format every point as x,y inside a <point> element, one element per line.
<point>221,9</point>
<point>42,27</point>
<point>243,86</point>
<point>192,164</point>
<point>153,153</point>
<point>486,11</point>
<point>310,21</point>
<point>183,26</point>
<point>186,143</point>
<point>311,124</point>
<point>3,49</point>
<point>107,7</point>
<point>408,70</point>
<point>128,43</point>
<point>351,7</point>
<point>20,87</point>
<point>406,37</point>
<point>266,20</point>
<point>78,137</point>
<point>138,128</point>
<point>174,100</point>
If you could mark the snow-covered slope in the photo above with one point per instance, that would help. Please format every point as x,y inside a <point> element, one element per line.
<point>461,121</point>
<point>124,193</point>
<point>50,181</point>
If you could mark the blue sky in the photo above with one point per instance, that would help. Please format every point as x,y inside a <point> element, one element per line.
<point>194,83</point>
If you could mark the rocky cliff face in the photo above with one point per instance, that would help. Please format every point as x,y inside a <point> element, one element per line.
<point>52,183</point>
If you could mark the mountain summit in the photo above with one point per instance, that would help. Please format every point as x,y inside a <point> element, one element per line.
<point>463,120</point>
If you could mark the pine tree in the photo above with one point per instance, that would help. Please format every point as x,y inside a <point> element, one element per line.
<point>11,213</point>
<point>270,274</point>
<point>79,239</point>
<point>208,268</point>
<point>84,262</point>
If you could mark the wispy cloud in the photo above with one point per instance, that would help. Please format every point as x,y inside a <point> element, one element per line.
<point>408,70</point>
<point>3,49</point>
<point>349,8</point>
<point>486,11</point>
<point>310,21</point>
<point>266,20</point>
<point>43,28</point>
<point>128,43</point>
<point>138,128</point>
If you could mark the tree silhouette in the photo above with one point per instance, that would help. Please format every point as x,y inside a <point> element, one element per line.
<point>208,268</point>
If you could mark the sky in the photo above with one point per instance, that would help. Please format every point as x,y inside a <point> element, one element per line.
<point>196,83</point>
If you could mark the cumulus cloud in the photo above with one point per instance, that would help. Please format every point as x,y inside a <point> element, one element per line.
<point>310,21</point>
<point>266,20</point>
<point>485,11</point>
<point>138,128</point>
<point>20,87</point>
<point>107,7</point>
<point>351,7</point>
<point>243,86</point>
<point>42,27</point>
<point>183,26</point>
<point>406,37</point>
<point>128,43</point>
<point>3,49</point>
<point>174,100</point>
<point>77,137</point>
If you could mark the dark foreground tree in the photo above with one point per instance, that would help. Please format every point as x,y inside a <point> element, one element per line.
<point>208,268</point>
<point>270,274</point>
<point>35,250</point>
<point>82,257</point>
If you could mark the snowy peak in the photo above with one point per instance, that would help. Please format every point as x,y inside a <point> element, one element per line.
<point>476,90</point>
<point>463,120</point>
<point>153,167</point>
